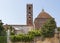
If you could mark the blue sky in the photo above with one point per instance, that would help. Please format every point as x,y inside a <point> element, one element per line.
<point>14,11</point>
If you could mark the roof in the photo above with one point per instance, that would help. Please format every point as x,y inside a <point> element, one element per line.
<point>43,14</point>
<point>17,27</point>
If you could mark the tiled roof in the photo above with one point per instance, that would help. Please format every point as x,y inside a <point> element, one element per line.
<point>43,14</point>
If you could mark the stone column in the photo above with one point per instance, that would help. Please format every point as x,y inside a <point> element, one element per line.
<point>8,36</point>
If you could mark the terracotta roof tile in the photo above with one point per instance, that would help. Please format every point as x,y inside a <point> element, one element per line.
<point>43,14</point>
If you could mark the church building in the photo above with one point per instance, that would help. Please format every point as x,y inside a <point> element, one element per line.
<point>30,25</point>
<point>41,19</point>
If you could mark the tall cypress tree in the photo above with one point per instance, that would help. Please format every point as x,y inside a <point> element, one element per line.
<point>2,31</point>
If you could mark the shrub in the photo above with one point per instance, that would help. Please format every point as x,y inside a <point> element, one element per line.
<point>3,39</point>
<point>12,33</point>
<point>26,37</point>
<point>35,32</point>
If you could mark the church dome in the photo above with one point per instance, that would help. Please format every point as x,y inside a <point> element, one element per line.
<point>43,14</point>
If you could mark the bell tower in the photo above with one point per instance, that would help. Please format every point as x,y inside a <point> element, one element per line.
<point>29,14</point>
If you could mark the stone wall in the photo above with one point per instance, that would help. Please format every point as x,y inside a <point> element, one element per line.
<point>46,40</point>
<point>22,42</point>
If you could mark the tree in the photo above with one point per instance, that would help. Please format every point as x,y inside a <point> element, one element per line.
<point>2,29</point>
<point>58,28</point>
<point>48,28</point>
<point>11,30</point>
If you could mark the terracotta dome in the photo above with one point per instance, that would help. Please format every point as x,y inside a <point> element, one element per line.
<point>43,14</point>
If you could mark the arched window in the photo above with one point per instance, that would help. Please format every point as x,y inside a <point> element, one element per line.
<point>29,7</point>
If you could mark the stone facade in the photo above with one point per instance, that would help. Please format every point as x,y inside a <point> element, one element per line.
<point>18,29</point>
<point>29,14</point>
<point>41,19</point>
<point>22,29</point>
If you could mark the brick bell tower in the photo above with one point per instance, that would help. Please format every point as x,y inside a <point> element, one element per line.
<point>29,14</point>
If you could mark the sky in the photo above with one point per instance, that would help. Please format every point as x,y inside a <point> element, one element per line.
<point>14,11</point>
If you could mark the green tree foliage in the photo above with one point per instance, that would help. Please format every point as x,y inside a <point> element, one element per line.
<point>11,30</point>
<point>26,37</point>
<point>2,29</point>
<point>48,28</point>
<point>35,32</point>
<point>58,28</point>
<point>3,39</point>
<point>22,37</point>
